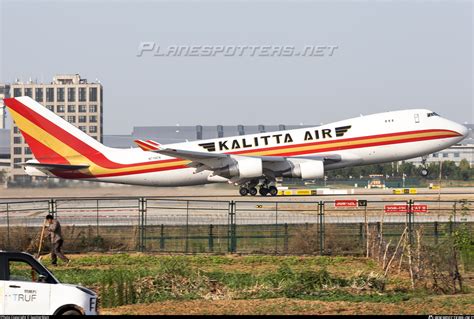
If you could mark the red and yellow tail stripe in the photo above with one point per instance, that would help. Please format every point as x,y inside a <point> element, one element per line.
<point>147,145</point>
<point>50,143</point>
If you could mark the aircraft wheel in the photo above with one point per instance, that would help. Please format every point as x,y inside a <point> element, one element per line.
<point>263,191</point>
<point>273,190</point>
<point>253,191</point>
<point>424,172</point>
<point>243,191</point>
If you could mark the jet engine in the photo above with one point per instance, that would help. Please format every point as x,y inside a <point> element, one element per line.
<point>304,168</point>
<point>241,167</point>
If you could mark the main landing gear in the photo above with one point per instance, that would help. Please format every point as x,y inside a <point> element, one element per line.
<point>264,189</point>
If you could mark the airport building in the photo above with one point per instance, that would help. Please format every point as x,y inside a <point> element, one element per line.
<point>69,96</point>
<point>177,134</point>
<point>4,93</point>
<point>5,161</point>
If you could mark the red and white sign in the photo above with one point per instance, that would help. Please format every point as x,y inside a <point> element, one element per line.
<point>345,203</point>
<point>419,208</point>
<point>404,208</point>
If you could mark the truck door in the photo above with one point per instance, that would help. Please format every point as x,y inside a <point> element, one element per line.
<point>25,294</point>
<point>2,297</point>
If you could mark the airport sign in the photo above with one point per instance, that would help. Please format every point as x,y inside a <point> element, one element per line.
<point>345,203</point>
<point>405,208</point>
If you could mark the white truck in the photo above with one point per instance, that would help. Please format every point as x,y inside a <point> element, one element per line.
<point>28,288</point>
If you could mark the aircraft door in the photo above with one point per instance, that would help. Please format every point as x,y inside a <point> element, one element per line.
<point>417,118</point>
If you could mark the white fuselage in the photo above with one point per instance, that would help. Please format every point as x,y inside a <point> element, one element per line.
<point>371,139</point>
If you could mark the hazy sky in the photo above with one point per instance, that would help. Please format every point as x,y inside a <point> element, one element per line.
<point>390,55</point>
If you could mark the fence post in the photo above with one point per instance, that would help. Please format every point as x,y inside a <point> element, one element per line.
<point>52,207</point>
<point>232,228</point>
<point>139,233</point>
<point>454,214</point>
<point>142,223</point>
<point>162,237</point>
<point>211,239</point>
<point>8,227</point>
<point>321,227</point>
<point>436,234</point>
<point>366,223</point>
<point>276,228</point>
<point>187,227</point>
<point>97,210</point>
<point>285,245</point>
<point>410,222</point>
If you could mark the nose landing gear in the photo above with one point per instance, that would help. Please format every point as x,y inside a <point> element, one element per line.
<point>424,171</point>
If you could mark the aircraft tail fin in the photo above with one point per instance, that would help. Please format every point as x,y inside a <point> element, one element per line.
<point>52,139</point>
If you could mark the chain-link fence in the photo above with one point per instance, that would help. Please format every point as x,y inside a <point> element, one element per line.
<point>243,226</point>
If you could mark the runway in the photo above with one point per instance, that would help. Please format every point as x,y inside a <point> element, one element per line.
<point>218,192</point>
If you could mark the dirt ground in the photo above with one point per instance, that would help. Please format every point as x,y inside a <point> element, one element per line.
<point>459,304</point>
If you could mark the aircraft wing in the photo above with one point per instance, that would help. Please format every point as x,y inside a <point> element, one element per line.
<point>216,162</point>
<point>200,160</point>
<point>195,156</point>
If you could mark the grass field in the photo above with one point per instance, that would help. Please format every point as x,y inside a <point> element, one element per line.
<point>230,284</point>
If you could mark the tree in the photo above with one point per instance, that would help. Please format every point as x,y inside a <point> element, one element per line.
<point>3,175</point>
<point>449,169</point>
<point>407,168</point>
<point>465,171</point>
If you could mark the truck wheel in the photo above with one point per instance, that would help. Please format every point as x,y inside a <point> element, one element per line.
<point>71,313</point>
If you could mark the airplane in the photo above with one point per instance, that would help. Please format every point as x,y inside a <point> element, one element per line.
<point>249,161</point>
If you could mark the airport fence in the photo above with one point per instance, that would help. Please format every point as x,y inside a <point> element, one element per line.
<point>261,225</point>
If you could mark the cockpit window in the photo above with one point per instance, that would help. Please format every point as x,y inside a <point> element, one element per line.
<point>432,114</point>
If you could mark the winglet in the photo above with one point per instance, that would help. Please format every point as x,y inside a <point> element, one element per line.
<point>148,145</point>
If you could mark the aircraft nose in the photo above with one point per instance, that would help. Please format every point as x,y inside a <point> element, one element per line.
<point>464,131</point>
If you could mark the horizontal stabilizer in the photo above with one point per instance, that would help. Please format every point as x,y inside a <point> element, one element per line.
<point>148,145</point>
<point>63,167</point>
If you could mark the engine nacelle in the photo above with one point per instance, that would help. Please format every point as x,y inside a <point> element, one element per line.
<point>305,169</point>
<point>242,167</point>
